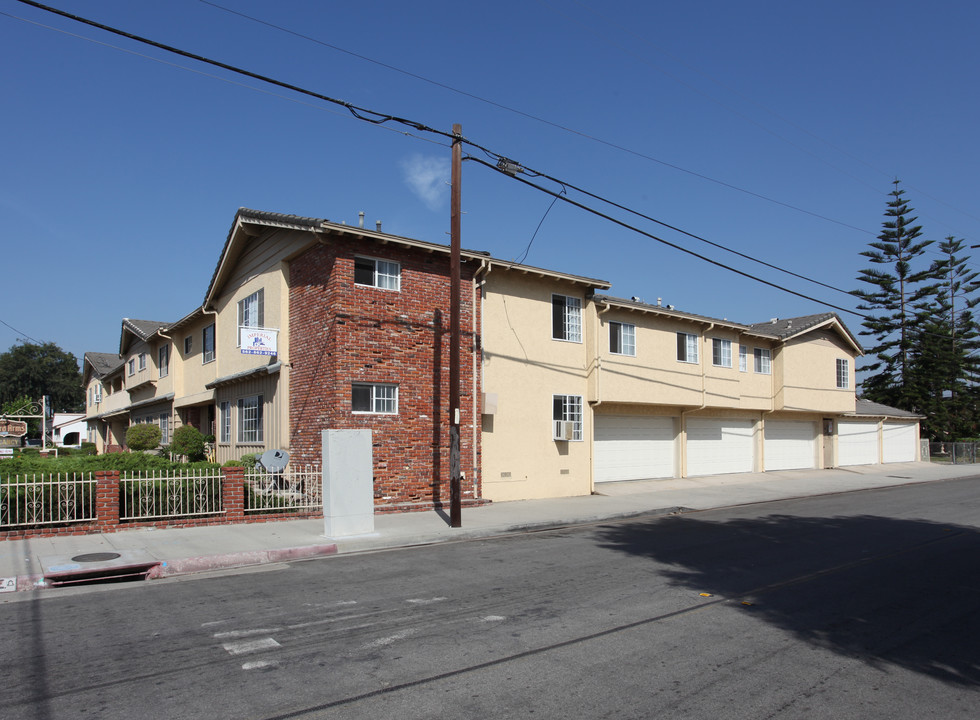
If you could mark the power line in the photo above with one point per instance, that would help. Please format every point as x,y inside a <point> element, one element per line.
<point>21,333</point>
<point>542,120</point>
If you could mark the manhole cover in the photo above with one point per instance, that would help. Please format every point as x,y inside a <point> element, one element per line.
<point>95,557</point>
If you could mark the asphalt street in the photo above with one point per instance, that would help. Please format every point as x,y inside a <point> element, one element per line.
<point>860,605</point>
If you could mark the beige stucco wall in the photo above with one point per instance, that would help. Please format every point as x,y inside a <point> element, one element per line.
<point>806,373</point>
<point>525,368</point>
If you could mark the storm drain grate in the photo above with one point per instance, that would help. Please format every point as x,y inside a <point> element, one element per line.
<point>96,557</point>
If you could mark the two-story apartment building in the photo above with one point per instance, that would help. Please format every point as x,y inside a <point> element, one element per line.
<point>309,325</point>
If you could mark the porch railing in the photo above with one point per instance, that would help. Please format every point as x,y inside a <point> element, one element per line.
<point>44,500</point>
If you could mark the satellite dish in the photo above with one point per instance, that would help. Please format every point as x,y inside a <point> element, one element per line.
<point>274,461</point>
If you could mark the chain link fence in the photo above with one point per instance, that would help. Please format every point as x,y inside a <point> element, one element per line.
<point>953,452</point>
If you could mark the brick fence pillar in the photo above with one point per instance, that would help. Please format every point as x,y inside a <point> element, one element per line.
<point>107,500</point>
<point>233,493</point>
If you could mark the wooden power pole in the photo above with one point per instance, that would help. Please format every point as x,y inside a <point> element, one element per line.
<point>455,473</point>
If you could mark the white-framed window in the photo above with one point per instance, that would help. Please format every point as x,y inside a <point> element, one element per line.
<point>687,348</point>
<point>763,361</point>
<point>721,352</point>
<point>142,359</point>
<point>131,366</point>
<point>188,345</point>
<point>375,398</point>
<point>207,344</point>
<point>225,420</point>
<point>622,338</point>
<point>163,360</point>
<point>164,429</point>
<point>567,409</point>
<point>843,373</point>
<point>250,419</point>
<point>382,274</point>
<point>743,358</point>
<point>251,310</point>
<point>566,318</point>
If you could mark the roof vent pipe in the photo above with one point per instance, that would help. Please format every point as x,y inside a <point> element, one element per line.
<point>360,219</point>
<point>659,301</point>
<point>379,225</point>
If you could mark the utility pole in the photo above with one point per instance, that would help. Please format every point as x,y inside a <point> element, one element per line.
<point>455,473</point>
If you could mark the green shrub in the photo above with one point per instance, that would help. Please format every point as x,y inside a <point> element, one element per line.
<point>88,448</point>
<point>248,460</point>
<point>188,441</point>
<point>143,436</point>
<point>232,463</point>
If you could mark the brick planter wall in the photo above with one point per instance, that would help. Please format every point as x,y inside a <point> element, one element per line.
<point>342,333</point>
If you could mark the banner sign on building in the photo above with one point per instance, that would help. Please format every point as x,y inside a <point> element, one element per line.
<point>258,341</point>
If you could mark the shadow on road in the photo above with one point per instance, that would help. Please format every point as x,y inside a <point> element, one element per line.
<point>887,591</point>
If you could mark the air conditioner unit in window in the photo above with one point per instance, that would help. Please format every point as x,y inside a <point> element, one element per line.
<point>564,429</point>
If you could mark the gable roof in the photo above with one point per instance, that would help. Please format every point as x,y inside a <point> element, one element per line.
<point>100,364</point>
<point>140,329</point>
<point>789,328</point>
<point>868,408</point>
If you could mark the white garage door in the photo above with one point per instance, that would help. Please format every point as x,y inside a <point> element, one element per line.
<point>857,443</point>
<point>719,446</point>
<point>790,444</point>
<point>899,441</point>
<point>633,447</point>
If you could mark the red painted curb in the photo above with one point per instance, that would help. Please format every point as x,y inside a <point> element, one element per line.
<point>205,563</point>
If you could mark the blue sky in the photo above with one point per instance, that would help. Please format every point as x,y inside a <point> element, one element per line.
<point>772,128</point>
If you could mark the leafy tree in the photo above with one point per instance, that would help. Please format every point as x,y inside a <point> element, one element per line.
<point>900,287</point>
<point>37,370</point>
<point>188,441</point>
<point>142,436</point>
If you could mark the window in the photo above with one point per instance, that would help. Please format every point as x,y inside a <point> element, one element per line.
<point>164,429</point>
<point>98,394</point>
<point>251,310</point>
<point>377,273</point>
<point>743,358</point>
<point>142,359</point>
<point>721,352</point>
<point>374,398</point>
<point>188,345</point>
<point>687,347</point>
<point>131,365</point>
<point>207,343</point>
<point>163,360</point>
<point>763,361</point>
<point>622,338</point>
<point>843,373</point>
<point>225,435</point>
<point>566,318</point>
<point>567,409</point>
<point>250,419</point>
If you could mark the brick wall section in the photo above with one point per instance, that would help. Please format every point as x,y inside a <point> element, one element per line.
<point>342,333</point>
<point>107,500</point>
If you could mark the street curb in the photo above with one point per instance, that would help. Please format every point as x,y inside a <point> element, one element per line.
<point>206,563</point>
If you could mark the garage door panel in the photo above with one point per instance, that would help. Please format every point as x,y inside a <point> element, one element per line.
<point>633,447</point>
<point>716,446</point>
<point>857,443</point>
<point>899,441</point>
<point>790,445</point>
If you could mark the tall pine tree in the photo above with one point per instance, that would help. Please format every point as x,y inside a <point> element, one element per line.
<point>944,368</point>
<point>900,287</point>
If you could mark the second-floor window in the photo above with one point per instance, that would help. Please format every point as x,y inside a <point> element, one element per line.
<point>743,358</point>
<point>843,373</point>
<point>566,318</point>
<point>377,398</point>
<point>721,352</point>
<point>142,359</point>
<point>131,366</point>
<point>163,360</point>
<point>207,343</point>
<point>251,310</point>
<point>763,361</point>
<point>377,273</point>
<point>687,347</point>
<point>622,338</point>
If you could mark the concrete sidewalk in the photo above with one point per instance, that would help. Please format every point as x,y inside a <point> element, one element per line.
<point>37,563</point>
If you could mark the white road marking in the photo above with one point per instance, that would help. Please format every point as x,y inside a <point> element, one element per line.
<point>249,646</point>
<point>260,664</point>
<point>381,642</point>
<point>245,633</point>
<point>492,618</point>
<point>425,601</point>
